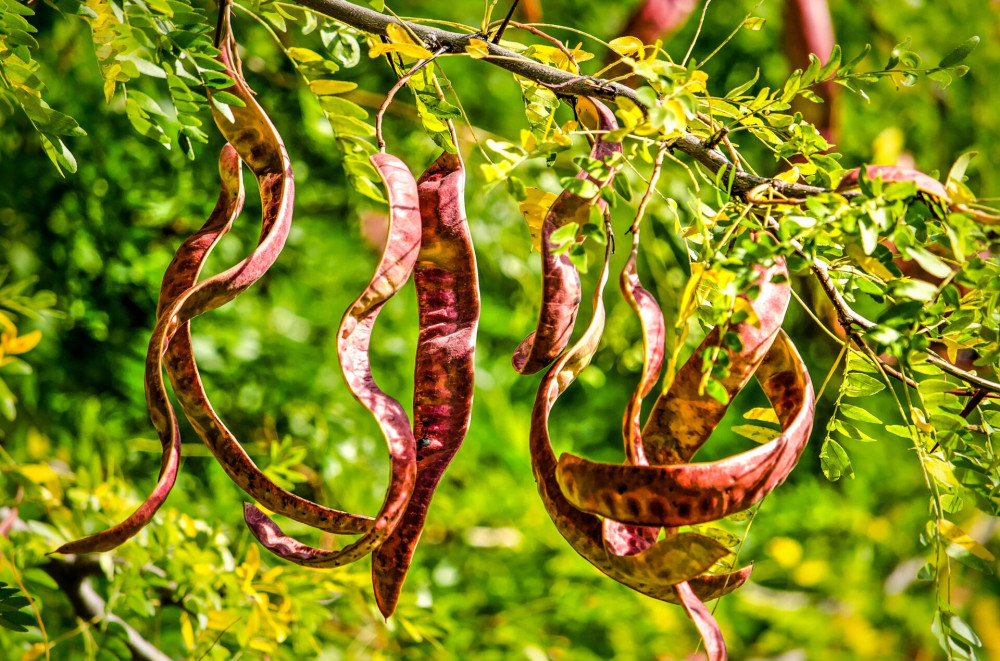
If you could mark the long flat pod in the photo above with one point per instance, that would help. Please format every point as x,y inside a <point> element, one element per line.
<point>685,494</point>
<point>581,529</point>
<point>682,418</point>
<point>353,339</point>
<point>447,286</point>
<point>189,259</point>
<point>262,148</point>
<point>560,280</point>
<point>715,645</point>
<point>619,538</point>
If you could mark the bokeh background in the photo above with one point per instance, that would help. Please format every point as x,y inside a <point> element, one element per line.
<point>835,564</point>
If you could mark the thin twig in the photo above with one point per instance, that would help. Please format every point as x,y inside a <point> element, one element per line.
<point>567,83</point>
<point>395,88</point>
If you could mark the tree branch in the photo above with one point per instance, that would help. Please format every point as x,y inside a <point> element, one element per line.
<point>851,321</point>
<point>375,23</point>
<point>74,579</point>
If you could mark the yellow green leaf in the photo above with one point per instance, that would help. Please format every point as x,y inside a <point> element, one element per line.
<point>956,535</point>
<point>477,49</point>
<point>627,45</point>
<point>330,87</point>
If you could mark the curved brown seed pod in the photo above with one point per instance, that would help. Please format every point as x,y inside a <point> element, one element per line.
<point>447,287</point>
<point>260,145</point>
<point>682,419</point>
<point>560,280</point>
<point>623,539</point>
<point>685,494</point>
<point>582,530</point>
<point>353,338</point>
<point>190,257</point>
<point>715,645</point>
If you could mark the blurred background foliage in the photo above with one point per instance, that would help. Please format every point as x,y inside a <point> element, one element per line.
<point>836,564</point>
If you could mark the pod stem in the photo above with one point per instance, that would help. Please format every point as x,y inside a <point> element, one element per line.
<point>392,93</point>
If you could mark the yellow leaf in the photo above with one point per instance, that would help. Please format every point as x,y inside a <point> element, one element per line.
<point>696,84</point>
<point>869,264</point>
<point>110,80</point>
<point>6,325</point>
<point>187,631</point>
<point>557,58</point>
<point>762,414</point>
<point>39,473</point>
<point>755,433</point>
<point>743,305</point>
<point>791,176</point>
<point>304,55</point>
<point>331,87</point>
<point>399,35</point>
<point>22,344</point>
<point>534,208</point>
<point>528,142</point>
<point>406,50</point>
<point>956,535</point>
<point>630,114</point>
<point>36,651</point>
<point>477,49</point>
<point>627,45</point>
<point>689,298</point>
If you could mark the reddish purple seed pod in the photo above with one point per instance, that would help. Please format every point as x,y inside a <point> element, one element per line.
<point>353,339</point>
<point>560,280</point>
<point>447,288</point>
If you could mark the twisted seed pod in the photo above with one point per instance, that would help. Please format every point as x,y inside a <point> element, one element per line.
<point>623,539</point>
<point>261,147</point>
<point>685,494</point>
<point>190,258</point>
<point>682,418</point>
<point>653,572</point>
<point>447,286</point>
<point>560,280</point>
<point>353,339</point>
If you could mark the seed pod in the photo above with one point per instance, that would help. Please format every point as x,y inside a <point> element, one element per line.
<point>189,259</point>
<point>560,280</point>
<point>893,173</point>
<point>262,148</point>
<point>623,539</point>
<point>686,494</point>
<point>715,646</point>
<point>582,530</point>
<point>682,419</point>
<point>447,286</point>
<point>353,339</point>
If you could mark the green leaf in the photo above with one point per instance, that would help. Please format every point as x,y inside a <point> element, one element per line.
<point>852,432</point>
<point>861,385</point>
<point>857,58</point>
<point>960,52</point>
<point>564,235</point>
<point>755,433</point>
<point>228,99</point>
<point>858,413</point>
<point>831,64</point>
<point>834,461</point>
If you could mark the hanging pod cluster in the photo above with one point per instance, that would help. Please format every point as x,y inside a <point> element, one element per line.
<point>428,236</point>
<point>623,518</point>
<point>614,514</point>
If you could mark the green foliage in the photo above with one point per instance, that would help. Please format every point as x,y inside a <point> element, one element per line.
<point>897,561</point>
